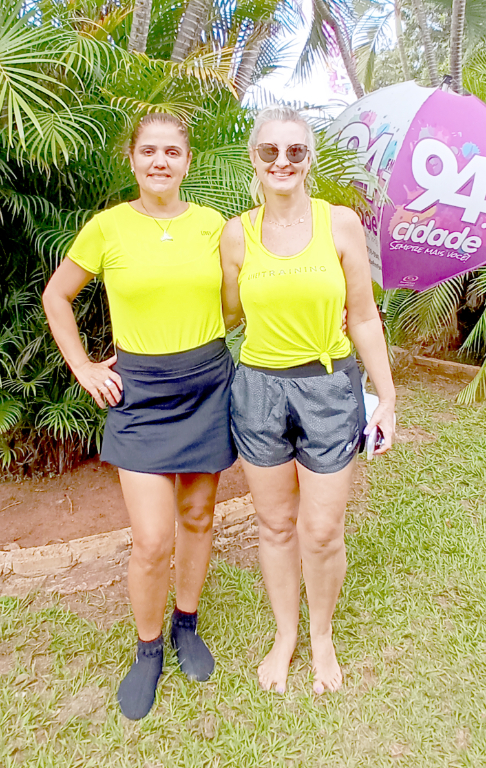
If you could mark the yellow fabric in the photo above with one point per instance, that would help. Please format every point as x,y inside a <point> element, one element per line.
<point>164,297</point>
<point>293,304</point>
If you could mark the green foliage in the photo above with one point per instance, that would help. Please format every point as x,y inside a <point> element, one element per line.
<point>474,73</point>
<point>451,317</point>
<point>63,161</point>
<point>387,67</point>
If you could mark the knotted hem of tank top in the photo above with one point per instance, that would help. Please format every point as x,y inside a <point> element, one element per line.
<point>326,361</point>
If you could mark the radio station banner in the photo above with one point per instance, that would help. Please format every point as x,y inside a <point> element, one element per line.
<point>426,150</point>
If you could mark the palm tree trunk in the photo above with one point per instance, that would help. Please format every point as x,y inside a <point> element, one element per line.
<point>193,21</point>
<point>140,26</point>
<point>344,50</point>
<point>401,46</point>
<point>457,32</point>
<point>252,47</point>
<point>247,66</point>
<point>426,39</point>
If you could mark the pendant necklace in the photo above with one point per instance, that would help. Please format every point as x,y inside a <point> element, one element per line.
<point>165,236</point>
<point>292,223</point>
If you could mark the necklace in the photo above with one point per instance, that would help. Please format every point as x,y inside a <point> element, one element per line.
<point>292,223</point>
<point>165,235</point>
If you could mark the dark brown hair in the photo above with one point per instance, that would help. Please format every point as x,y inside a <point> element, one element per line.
<point>158,117</point>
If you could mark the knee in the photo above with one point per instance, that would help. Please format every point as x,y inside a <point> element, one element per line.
<point>278,533</point>
<point>196,518</point>
<point>152,550</point>
<point>322,535</point>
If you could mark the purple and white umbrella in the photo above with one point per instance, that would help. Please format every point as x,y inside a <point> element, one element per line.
<point>426,149</point>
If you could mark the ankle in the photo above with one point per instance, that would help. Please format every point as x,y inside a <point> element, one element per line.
<point>321,633</point>
<point>287,637</point>
<point>150,647</point>
<point>184,619</point>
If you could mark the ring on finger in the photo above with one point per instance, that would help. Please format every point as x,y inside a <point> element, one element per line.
<point>108,382</point>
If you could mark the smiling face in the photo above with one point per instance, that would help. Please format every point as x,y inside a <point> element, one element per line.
<point>281,176</point>
<point>160,159</point>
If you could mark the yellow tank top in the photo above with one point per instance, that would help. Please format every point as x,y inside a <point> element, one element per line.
<point>164,297</point>
<point>293,304</point>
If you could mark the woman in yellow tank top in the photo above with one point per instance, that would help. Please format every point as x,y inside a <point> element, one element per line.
<point>290,268</point>
<point>168,387</point>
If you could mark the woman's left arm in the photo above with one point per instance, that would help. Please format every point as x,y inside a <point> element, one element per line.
<point>364,324</point>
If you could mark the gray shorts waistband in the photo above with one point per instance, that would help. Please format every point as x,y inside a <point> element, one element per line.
<point>314,368</point>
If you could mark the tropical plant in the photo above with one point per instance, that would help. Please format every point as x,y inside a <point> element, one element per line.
<point>331,25</point>
<point>61,161</point>
<point>372,33</point>
<point>474,72</point>
<point>455,27</point>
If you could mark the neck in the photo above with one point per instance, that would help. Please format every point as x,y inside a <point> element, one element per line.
<point>163,206</point>
<point>286,208</point>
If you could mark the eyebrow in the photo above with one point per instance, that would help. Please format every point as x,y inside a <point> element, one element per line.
<point>154,146</point>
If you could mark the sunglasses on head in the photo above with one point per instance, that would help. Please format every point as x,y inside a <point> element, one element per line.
<point>269,152</point>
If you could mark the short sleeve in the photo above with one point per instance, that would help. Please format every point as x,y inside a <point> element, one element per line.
<point>220,222</point>
<point>88,250</point>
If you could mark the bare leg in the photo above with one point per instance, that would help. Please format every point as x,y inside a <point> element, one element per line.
<point>150,503</point>
<point>196,495</point>
<point>275,494</point>
<point>320,529</point>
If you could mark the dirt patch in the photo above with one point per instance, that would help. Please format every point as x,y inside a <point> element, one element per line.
<point>82,502</point>
<point>413,377</point>
<point>88,499</point>
<point>413,434</point>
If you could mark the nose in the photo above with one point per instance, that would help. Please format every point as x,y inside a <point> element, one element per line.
<point>282,159</point>
<point>159,159</point>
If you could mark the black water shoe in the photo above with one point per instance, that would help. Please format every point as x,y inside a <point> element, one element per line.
<point>194,656</point>
<point>136,693</point>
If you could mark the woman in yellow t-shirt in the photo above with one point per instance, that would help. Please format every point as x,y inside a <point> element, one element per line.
<point>167,387</point>
<point>291,266</point>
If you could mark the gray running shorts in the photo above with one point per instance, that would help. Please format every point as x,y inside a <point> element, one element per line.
<point>300,413</point>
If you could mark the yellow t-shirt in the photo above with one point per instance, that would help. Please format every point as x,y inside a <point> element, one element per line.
<point>164,296</point>
<point>293,304</point>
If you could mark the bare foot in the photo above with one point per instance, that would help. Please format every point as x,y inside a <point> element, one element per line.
<point>327,672</point>
<point>275,666</point>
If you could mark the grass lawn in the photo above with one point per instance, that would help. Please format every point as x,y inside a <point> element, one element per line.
<point>410,632</point>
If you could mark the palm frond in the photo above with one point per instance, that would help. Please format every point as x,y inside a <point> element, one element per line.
<point>60,135</point>
<point>431,311</point>
<point>67,417</point>
<point>220,178</point>
<point>8,455</point>
<point>475,390</point>
<point>370,35</point>
<point>476,339</point>
<point>320,42</point>
<point>10,412</point>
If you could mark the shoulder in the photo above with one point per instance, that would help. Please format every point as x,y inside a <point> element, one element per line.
<point>111,214</point>
<point>342,216</point>
<point>233,229</point>
<point>102,220</point>
<point>232,243</point>
<point>233,235</point>
<point>210,216</point>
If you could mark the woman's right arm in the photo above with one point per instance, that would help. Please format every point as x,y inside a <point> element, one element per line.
<point>232,249</point>
<point>63,287</point>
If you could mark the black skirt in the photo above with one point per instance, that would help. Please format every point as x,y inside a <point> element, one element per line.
<point>173,416</point>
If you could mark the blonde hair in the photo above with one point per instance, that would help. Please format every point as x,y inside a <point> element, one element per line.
<point>285,115</point>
